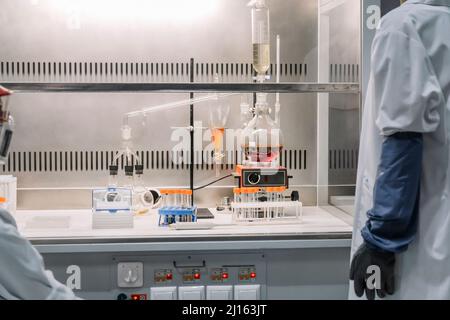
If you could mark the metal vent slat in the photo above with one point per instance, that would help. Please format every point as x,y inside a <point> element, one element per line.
<point>92,161</point>
<point>86,71</point>
<point>343,159</point>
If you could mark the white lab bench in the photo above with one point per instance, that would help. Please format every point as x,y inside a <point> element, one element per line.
<point>307,259</point>
<point>77,225</point>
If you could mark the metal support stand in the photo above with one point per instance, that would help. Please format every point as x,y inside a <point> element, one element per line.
<point>191,124</point>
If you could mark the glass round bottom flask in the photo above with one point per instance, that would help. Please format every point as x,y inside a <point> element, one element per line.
<point>262,139</point>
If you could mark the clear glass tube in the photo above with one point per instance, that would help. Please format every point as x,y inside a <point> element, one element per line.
<point>245,200</point>
<point>176,202</point>
<point>113,181</point>
<point>261,38</point>
<point>129,182</point>
<point>174,105</point>
<point>237,200</point>
<point>137,193</point>
<point>270,196</point>
<point>168,199</point>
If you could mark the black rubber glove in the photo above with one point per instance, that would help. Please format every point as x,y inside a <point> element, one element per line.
<point>362,260</point>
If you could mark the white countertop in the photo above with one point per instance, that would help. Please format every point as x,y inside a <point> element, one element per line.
<point>77,224</point>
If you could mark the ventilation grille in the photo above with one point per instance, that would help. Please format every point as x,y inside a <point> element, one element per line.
<point>137,71</point>
<point>82,161</point>
<point>344,73</point>
<point>341,159</point>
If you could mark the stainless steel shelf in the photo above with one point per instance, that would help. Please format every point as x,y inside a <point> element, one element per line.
<point>183,87</point>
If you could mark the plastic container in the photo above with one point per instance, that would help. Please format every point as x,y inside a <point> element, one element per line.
<point>8,193</point>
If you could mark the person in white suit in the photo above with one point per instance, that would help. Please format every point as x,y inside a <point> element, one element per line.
<point>401,239</point>
<point>22,272</point>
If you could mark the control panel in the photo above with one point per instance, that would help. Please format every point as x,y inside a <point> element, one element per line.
<point>163,276</point>
<point>262,177</point>
<point>220,275</point>
<point>150,278</point>
<point>191,276</point>
<point>247,274</point>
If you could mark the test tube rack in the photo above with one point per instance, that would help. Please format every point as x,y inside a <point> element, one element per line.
<point>176,207</point>
<point>262,205</point>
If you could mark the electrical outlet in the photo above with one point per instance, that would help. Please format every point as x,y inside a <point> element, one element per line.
<point>130,274</point>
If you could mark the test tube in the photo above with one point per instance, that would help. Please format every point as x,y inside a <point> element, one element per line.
<point>242,199</point>
<point>183,195</point>
<point>274,199</point>
<point>245,200</point>
<point>177,198</point>
<point>164,197</point>
<point>170,198</point>
<point>255,195</point>
<point>189,197</point>
<point>251,201</point>
<point>266,211</point>
<point>181,202</point>
<point>237,200</point>
<point>281,198</point>
<point>269,211</point>
<point>183,199</point>
<point>188,194</point>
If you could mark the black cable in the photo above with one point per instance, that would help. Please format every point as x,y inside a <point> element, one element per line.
<point>218,180</point>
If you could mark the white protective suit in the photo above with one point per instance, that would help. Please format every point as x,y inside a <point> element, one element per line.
<point>22,272</point>
<point>409,91</point>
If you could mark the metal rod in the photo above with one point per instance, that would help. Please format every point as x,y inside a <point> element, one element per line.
<point>191,123</point>
<point>183,87</point>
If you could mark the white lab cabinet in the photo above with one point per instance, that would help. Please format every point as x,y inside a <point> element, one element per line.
<point>167,293</point>
<point>219,293</point>
<point>191,293</point>
<point>247,292</point>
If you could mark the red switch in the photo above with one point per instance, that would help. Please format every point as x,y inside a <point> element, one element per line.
<point>196,276</point>
<point>138,297</point>
<point>225,275</point>
<point>169,276</point>
<point>253,275</point>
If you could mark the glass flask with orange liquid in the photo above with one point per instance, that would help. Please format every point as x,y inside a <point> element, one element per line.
<point>218,117</point>
<point>262,139</point>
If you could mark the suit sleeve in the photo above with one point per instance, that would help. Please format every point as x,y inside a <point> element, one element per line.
<point>392,222</point>
<point>409,103</point>
<point>407,95</point>
<point>22,272</point>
